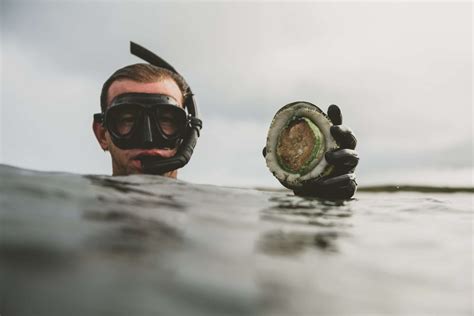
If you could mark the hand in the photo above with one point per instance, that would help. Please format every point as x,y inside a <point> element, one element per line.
<point>341,182</point>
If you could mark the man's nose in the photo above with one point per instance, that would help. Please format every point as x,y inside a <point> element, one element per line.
<point>147,132</point>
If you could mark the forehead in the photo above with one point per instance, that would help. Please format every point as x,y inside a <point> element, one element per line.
<point>166,86</point>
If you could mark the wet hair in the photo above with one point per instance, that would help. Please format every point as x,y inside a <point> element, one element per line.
<point>144,73</point>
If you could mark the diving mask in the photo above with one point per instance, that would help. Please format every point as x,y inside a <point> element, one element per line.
<point>142,120</point>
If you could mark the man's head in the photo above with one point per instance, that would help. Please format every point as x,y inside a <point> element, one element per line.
<point>137,78</point>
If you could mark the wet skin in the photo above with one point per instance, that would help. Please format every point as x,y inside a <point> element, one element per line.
<point>124,161</point>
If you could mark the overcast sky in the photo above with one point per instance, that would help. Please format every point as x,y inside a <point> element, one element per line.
<point>401,73</point>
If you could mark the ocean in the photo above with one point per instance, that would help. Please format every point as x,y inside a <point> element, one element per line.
<point>147,245</point>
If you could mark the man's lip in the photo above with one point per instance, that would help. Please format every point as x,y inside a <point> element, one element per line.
<point>146,154</point>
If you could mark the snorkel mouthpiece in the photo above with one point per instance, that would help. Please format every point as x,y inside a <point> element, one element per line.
<point>154,165</point>
<point>158,165</point>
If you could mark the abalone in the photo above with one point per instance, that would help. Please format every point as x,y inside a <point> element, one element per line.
<point>297,140</point>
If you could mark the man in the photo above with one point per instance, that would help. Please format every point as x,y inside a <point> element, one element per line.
<point>140,78</point>
<point>144,124</point>
<point>145,128</point>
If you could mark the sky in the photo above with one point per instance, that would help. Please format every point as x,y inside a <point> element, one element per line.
<point>400,71</point>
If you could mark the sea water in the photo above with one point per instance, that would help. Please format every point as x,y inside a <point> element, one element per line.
<point>148,245</point>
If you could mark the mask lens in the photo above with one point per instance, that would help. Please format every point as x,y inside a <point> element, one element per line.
<point>124,118</point>
<point>171,120</point>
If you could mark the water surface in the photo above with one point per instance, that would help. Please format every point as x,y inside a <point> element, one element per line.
<point>145,245</point>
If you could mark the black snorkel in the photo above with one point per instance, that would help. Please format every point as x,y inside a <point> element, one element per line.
<point>160,165</point>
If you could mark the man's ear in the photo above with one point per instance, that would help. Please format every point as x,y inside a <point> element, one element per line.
<point>99,132</point>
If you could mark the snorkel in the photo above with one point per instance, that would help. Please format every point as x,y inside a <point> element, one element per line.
<point>159,165</point>
<point>150,111</point>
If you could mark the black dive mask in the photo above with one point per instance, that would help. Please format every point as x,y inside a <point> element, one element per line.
<point>141,120</point>
<point>144,121</point>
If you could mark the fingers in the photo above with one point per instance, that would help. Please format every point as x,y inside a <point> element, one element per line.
<point>345,160</point>
<point>344,136</point>
<point>339,181</point>
<point>335,114</point>
<point>340,187</point>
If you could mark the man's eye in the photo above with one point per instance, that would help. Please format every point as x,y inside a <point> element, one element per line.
<point>125,124</point>
<point>168,125</point>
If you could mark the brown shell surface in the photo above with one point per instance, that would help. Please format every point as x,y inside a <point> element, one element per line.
<point>296,145</point>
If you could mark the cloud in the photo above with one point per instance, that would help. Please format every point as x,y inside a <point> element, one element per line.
<point>230,153</point>
<point>47,117</point>
<point>404,88</point>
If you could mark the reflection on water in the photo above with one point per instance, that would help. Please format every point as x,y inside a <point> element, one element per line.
<point>290,243</point>
<point>144,245</point>
<point>307,211</point>
<point>131,236</point>
<point>295,239</point>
